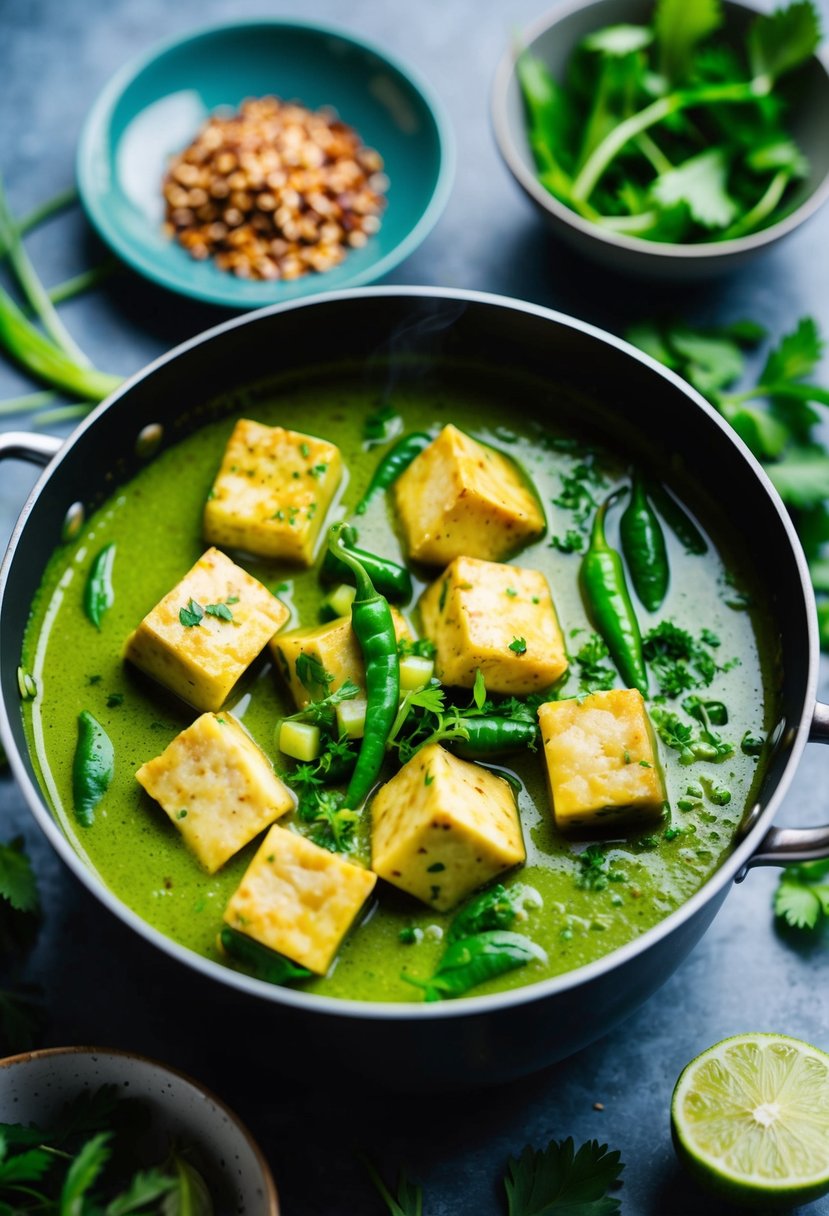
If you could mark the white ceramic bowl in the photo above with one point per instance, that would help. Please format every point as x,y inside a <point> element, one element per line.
<point>34,1087</point>
<point>553,39</point>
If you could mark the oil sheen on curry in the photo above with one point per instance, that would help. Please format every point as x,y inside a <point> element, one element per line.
<point>403,698</point>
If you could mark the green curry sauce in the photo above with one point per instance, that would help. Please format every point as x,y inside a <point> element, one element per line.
<point>155,523</point>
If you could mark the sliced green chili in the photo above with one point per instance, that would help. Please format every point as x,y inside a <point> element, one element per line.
<point>643,544</point>
<point>373,627</point>
<point>263,963</point>
<point>98,596</point>
<point>395,462</point>
<point>608,605</point>
<point>474,960</point>
<point>92,768</point>
<point>388,578</point>
<point>677,519</point>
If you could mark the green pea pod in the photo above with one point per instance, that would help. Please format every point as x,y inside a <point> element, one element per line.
<point>92,767</point>
<point>492,736</point>
<point>677,519</point>
<point>474,960</point>
<point>643,544</point>
<point>495,908</point>
<point>388,578</point>
<point>98,596</point>
<point>395,462</point>
<point>373,627</point>
<point>608,605</point>
<point>263,963</point>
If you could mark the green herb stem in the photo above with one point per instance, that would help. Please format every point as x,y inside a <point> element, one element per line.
<point>32,287</point>
<point>26,403</point>
<point>588,177</point>
<point>46,361</point>
<point>80,283</point>
<point>45,211</point>
<point>762,209</point>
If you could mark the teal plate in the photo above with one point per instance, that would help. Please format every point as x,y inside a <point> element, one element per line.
<point>154,106</point>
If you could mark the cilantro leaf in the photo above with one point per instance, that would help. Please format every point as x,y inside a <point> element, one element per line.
<point>558,1181</point>
<point>796,355</point>
<point>595,672</point>
<point>409,1198</point>
<point>710,361</point>
<point>191,615</point>
<point>323,711</point>
<point>190,1195</point>
<point>219,610</point>
<point>145,1186</point>
<point>701,183</point>
<point>801,898</point>
<point>802,476</point>
<point>679,26</point>
<point>782,40</point>
<point>17,881</point>
<point>83,1173</point>
<point>29,1166</point>
<point>312,675</point>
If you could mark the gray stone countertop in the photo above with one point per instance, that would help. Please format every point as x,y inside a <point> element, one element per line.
<point>104,985</point>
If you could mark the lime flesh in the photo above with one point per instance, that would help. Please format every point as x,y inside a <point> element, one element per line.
<point>750,1119</point>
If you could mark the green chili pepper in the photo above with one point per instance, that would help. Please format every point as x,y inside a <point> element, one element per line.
<point>395,462</point>
<point>643,544</point>
<point>608,604</point>
<point>265,964</point>
<point>98,595</point>
<point>496,908</point>
<point>388,578</point>
<point>492,736</point>
<point>473,960</point>
<point>677,519</point>
<point>373,627</point>
<point>92,767</point>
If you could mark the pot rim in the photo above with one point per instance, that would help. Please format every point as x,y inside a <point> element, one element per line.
<point>715,253</point>
<point>461,1006</point>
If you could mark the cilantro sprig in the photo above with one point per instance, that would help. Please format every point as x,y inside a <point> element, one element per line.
<point>802,895</point>
<point>668,132</point>
<point>540,1182</point>
<point>775,415</point>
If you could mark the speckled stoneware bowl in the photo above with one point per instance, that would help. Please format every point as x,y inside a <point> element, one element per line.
<point>35,1086</point>
<point>553,39</point>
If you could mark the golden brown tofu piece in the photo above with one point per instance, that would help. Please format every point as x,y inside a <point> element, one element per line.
<point>334,646</point>
<point>299,899</point>
<point>272,492</point>
<point>498,618</point>
<point>217,787</point>
<point>202,661</point>
<point>601,759</point>
<point>459,497</point>
<point>442,827</point>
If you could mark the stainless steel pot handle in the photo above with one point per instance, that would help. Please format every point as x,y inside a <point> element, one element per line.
<point>780,846</point>
<point>23,445</point>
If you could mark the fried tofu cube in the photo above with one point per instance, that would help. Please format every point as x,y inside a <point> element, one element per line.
<point>200,657</point>
<point>217,788</point>
<point>602,762</point>
<point>498,618</point>
<point>334,647</point>
<point>460,497</point>
<point>299,899</point>
<point>272,492</point>
<point>442,827</point>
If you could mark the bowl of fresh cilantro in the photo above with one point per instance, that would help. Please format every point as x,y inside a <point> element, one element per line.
<point>86,1130</point>
<point>669,138</point>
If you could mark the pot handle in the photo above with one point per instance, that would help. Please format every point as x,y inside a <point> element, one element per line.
<point>23,445</point>
<point>780,846</point>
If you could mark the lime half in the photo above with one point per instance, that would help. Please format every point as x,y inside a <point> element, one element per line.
<point>750,1120</point>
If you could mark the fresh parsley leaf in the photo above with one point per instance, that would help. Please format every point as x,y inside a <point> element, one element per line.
<point>191,615</point>
<point>518,645</point>
<point>145,1186</point>
<point>84,1171</point>
<point>323,712</point>
<point>595,671</point>
<point>219,610</point>
<point>796,355</point>
<point>558,1179</point>
<point>29,1166</point>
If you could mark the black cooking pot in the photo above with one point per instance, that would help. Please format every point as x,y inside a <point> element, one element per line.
<point>476,1039</point>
